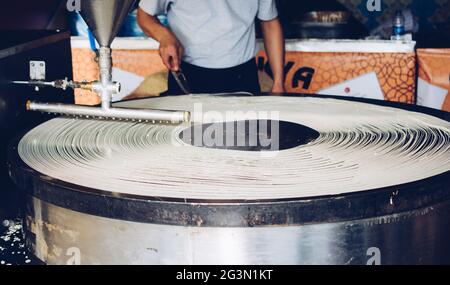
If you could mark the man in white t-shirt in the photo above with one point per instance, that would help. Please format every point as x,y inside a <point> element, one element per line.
<point>214,42</point>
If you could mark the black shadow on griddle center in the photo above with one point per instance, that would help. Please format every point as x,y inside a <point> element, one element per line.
<point>249,135</point>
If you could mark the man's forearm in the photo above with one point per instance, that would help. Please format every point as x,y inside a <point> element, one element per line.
<point>275,49</point>
<point>151,26</point>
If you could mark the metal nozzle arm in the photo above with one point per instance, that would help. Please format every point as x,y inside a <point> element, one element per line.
<point>141,115</point>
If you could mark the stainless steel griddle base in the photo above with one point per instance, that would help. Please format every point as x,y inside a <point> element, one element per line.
<point>416,237</point>
<point>404,224</point>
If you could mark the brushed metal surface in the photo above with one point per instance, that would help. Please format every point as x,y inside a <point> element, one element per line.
<point>105,17</point>
<point>61,236</point>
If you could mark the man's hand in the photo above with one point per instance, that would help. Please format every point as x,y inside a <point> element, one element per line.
<point>171,52</point>
<point>278,88</point>
<point>170,49</point>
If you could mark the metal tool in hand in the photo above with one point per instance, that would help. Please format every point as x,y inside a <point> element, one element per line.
<point>181,80</point>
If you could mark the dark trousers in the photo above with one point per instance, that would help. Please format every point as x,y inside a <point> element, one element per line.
<point>241,78</point>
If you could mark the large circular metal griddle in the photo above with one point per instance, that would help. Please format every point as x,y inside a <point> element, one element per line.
<point>349,177</point>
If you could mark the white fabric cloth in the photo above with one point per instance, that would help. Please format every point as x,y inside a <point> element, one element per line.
<point>214,33</point>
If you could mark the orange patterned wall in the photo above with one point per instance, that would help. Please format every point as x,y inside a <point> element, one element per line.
<point>434,67</point>
<point>395,71</point>
<point>140,62</point>
<point>84,69</point>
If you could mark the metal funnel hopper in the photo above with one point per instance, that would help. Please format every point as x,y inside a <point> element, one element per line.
<point>105,18</point>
